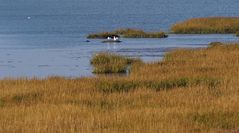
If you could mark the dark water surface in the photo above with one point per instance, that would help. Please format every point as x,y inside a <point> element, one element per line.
<point>47,37</point>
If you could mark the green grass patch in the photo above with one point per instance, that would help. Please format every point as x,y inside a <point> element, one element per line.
<point>122,85</point>
<point>27,97</point>
<point>128,33</point>
<point>210,25</point>
<point>117,86</point>
<point>167,84</point>
<point>111,63</point>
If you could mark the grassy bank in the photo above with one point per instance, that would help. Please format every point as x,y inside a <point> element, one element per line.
<point>189,91</point>
<point>128,33</point>
<point>210,25</point>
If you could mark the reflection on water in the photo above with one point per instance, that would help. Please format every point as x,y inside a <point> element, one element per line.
<point>112,46</point>
<point>30,55</point>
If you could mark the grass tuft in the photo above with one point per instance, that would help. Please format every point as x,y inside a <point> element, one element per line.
<point>111,63</point>
<point>215,44</point>
<point>237,34</point>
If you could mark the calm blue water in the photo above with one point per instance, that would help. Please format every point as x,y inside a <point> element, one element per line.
<point>47,37</point>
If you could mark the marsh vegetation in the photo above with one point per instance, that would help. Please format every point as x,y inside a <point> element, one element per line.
<point>128,33</point>
<point>112,63</point>
<point>191,90</point>
<point>210,25</point>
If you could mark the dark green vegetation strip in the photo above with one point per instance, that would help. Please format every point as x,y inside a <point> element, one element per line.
<point>30,97</point>
<point>1,102</point>
<point>128,33</point>
<point>128,85</point>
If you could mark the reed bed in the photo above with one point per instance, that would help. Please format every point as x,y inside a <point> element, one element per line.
<point>210,25</point>
<point>128,33</point>
<point>189,91</point>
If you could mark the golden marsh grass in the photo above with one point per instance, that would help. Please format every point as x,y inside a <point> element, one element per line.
<point>189,91</point>
<point>210,25</point>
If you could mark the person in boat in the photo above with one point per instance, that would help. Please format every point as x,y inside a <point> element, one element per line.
<point>116,38</point>
<point>113,37</point>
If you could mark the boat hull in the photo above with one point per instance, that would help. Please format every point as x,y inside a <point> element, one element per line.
<point>111,41</point>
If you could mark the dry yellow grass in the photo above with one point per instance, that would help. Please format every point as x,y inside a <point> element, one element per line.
<point>189,91</point>
<point>210,25</point>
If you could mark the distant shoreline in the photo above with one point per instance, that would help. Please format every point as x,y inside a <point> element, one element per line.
<point>207,25</point>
